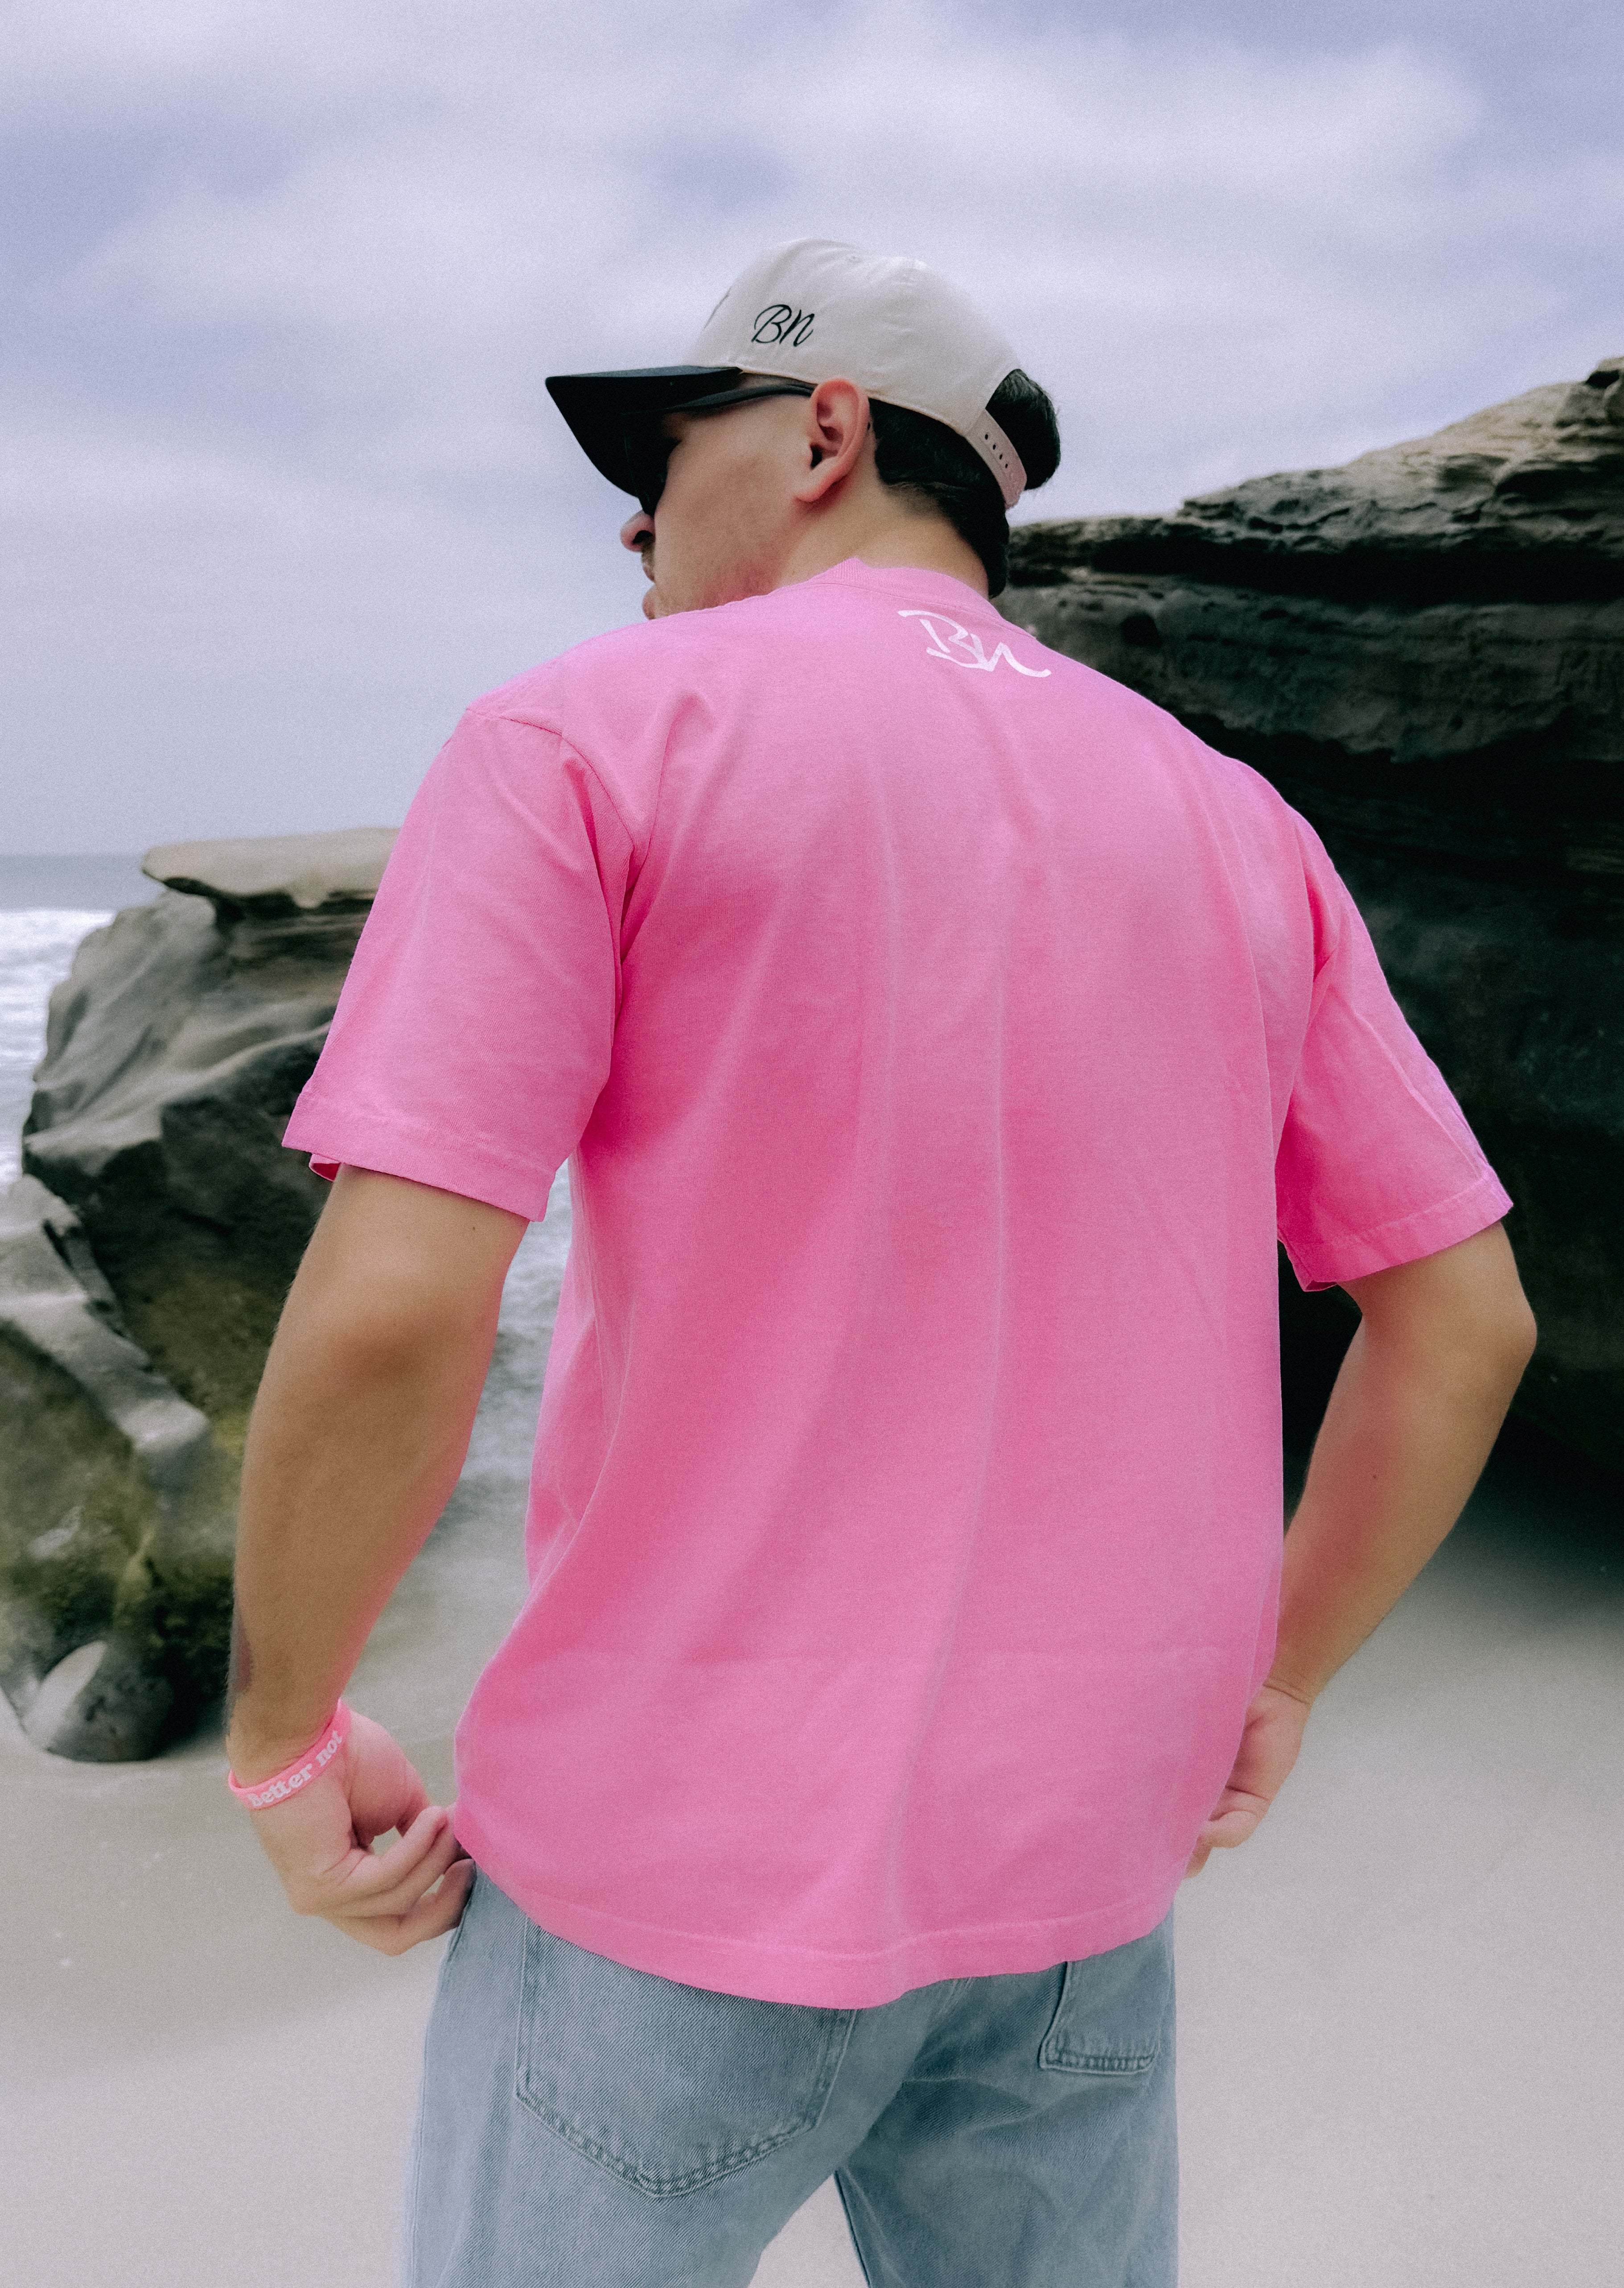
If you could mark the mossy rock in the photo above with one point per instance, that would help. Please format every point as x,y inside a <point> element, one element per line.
<point>116,1514</point>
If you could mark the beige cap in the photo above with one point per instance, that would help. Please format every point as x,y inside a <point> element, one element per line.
<point>806,312</point>
<point>815,308</point>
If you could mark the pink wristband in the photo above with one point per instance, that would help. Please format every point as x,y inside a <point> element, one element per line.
<point>300,1772</point>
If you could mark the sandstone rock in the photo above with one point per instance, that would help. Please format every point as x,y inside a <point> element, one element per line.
<point>291,888</point>
<point>1522,499</point>
<point>175,1053</point>
<point>144,1259</point>
<point>116,1509</point>
<point>1424,650</point>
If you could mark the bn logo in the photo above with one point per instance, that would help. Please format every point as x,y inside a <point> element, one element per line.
<point>778,323</point>
<point>949,641</point>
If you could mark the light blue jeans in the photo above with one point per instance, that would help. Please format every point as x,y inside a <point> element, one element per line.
<point>588,2125</point>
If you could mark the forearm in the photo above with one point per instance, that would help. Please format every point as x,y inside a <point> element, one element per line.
<point>358,1434</point>
<point>1410,1424</point>
<point>350,1461</point>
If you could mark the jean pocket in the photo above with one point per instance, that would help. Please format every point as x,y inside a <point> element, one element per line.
<point>1114,2010</point>
<point>669,2086</point>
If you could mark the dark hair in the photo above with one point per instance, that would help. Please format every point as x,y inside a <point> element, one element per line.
<point>946,474</point>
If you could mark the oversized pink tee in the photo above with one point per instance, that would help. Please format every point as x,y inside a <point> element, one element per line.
<point>939,1034</point>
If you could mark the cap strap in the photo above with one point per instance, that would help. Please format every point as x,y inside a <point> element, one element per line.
<point>1000,456</point>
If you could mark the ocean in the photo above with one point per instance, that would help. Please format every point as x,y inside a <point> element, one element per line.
<point>47,907</point>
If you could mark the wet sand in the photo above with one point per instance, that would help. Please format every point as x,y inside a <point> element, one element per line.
<point>1402,2006</point>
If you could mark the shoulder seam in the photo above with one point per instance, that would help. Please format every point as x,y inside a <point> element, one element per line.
<point>556,731</point>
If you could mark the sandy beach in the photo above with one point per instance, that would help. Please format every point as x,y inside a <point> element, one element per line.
<point>1402,2007</point>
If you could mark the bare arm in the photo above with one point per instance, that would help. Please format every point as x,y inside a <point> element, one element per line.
<point>1417,1406</point>
<point>1422,1392</point>
<point>358,1432</point>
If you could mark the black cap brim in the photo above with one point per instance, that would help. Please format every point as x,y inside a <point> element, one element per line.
<point>602,409</point>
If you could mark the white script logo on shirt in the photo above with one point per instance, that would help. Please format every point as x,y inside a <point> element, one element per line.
<point>963,649</point>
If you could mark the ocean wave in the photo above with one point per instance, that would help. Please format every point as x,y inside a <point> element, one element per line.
<point>37,944</point>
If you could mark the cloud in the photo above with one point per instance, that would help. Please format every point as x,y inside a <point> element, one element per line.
<point>286,483</point>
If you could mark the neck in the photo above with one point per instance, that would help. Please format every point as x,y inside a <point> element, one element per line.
<point>920,544</point>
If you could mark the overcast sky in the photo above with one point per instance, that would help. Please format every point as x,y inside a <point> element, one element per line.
<point>284,490</point>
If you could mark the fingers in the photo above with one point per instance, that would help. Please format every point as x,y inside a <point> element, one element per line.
<point>389,1899</point>
<point>432,1917</point>
<point>1227,1828</point>
<point>1270,1742</point>
<point>381,1883</point>
<point>319,1841</point>
<point>384,1787</point>
<point>372,1816</point>
<point>1214,1838</point>
<point>391,1882</point>
<point>354,1880</point>
<point>1268,1750</point>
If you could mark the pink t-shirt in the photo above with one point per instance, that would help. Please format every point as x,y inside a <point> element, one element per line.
<point>939,1034</point>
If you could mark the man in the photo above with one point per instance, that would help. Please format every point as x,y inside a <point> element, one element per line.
<point>939,1035</point>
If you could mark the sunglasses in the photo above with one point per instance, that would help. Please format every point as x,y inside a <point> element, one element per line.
<point>648,449</point>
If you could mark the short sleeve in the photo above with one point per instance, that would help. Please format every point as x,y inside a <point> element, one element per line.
<point>1376,1163</point>
<point>474,1030</point>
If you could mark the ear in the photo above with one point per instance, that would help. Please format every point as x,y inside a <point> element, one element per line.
<point>837,433</point>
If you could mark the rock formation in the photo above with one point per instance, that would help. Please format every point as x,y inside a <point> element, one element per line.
<point>173,1055</point>
<point>115,1517</point>
<point>144,1258</point>
<point>1424,651</point>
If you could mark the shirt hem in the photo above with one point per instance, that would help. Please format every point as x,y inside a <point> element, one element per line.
<point>1405,1240</point>
<point>336,1140</point>
<point>829,1979</point>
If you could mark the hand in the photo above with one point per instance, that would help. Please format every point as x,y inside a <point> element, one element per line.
<point>319,1843</point>
<point>1268,1750</point>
